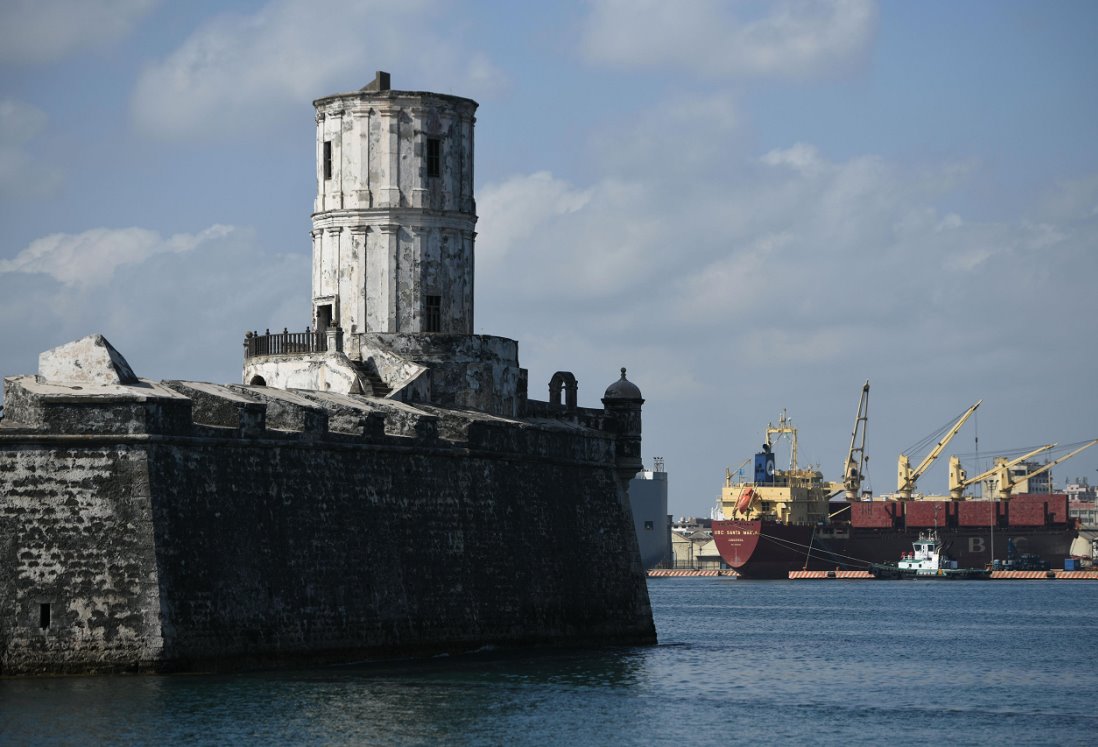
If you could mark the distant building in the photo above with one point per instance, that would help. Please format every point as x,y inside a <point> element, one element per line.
<point>1081,490</point>
<point>695,550</point>
<point>1025,482</point>
<point>1085,511</point>
<point>648,500</point>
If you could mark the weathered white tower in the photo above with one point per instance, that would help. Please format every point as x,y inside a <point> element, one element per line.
<point>394,217</point>
<point>393,231</point>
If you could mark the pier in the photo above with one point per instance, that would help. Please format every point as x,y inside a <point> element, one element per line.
<point>1089,575</point>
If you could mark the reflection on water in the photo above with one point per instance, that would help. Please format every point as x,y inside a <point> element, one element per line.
<point>825,662</point>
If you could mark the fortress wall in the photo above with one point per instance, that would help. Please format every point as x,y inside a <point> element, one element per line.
<point>245,525</point>
<point>76,534</point>
<point>271,552</point>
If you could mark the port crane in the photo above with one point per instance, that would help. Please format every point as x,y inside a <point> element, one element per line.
<point>1006,485</point>
<point>854,468</point>
<point>906,476</point>
<point>959,479</point>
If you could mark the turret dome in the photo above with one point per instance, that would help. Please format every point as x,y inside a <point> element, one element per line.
<point>622,389</point>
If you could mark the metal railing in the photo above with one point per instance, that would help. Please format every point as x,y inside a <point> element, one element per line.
<point>284,343</point>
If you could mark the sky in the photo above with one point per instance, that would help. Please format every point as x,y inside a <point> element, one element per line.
<point>754,207</point>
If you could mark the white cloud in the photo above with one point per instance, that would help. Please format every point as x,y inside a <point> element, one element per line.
<point>517,208</point>
<point>715,39</point>
<point>235,70</point>
<point>91,258</point>
<point>42,31</point>
<point>176,307</point>
<point>689,134</point>
<point>800,157</point>
<point>794,258</point>
<point>21,174</point>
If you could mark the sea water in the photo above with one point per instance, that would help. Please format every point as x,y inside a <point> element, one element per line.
<point>749,662</point>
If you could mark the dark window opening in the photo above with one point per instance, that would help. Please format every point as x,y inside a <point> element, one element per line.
<point>323,317</point>
<point>433,165</point>
<point>257,381</point>
<point>649,525</point>
<point>434,313</point>
<point>43,616</point>
<point>327,159</point>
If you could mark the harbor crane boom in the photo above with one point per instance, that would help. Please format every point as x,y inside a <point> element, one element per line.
<point>959,479</point>
<point>906,477</point>
<point>1006,485</point>
<point>854,469</point>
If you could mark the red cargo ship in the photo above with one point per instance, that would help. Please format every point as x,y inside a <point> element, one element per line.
<point>783,520</point>
<point>879,531</point>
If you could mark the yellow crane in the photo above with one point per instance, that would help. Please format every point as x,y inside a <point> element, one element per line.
<point>854,468</point>
<point>959,479</point>
<point>1006,485</point>
<point>906,476</point>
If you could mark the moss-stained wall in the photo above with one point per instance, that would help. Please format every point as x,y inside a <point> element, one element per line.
<point>330,551</point>
<point>200,545</point>
<point>76,534</point>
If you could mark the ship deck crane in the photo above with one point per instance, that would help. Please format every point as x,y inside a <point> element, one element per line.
<point>906,476</point>
<point>854,468</point>
<point>1006,485</point>
<point>959,479</point>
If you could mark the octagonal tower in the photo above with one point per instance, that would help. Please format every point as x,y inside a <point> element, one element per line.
<point>394,216</point>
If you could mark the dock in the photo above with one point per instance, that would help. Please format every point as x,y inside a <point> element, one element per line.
<point>1089,575</point>
<point>683,573</point>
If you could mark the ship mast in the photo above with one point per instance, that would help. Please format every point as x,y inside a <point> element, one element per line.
<point>784,427</point>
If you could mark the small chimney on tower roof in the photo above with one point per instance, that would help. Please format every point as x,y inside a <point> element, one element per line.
<point>379,83</point>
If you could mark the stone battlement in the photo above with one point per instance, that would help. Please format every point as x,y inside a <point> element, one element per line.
<point>198,410</point>
<point>178,525</point>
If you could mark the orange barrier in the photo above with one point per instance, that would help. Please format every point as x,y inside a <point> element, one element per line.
<point>995,575</point>
<point>673,573</point>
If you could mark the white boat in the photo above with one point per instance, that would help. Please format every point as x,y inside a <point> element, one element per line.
<point>926,560</point>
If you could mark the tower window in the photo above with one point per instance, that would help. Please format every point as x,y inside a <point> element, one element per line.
<point>44,616</point>
<point>434,313</point>
<point>327,159</point>
<point>433,148</point>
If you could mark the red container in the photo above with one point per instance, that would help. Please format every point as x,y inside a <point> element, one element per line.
<point>872,515</point>
<point>1026,513</point>
<point>1057,507</point>
<point>926,513</point>
<point>982,514</point>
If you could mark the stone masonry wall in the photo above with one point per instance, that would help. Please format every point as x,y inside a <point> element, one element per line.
<point>224,546</point>
<point>76,534</point>
<point>336,551</point>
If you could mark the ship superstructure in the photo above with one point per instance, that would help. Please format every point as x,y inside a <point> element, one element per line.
<point>793,495</point>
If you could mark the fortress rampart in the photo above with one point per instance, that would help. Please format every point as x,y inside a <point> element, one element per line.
<point>180,525</point>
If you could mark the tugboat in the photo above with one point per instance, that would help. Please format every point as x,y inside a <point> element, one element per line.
<point>926,560</point>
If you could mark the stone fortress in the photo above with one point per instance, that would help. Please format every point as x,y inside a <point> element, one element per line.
<point>380,485</point>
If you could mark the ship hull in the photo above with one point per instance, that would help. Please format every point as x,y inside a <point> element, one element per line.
<point>971,547</point>
<point>764,549</point>
<point>767,549</point>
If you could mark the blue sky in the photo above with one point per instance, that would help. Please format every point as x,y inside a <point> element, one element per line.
<point>752,206</point>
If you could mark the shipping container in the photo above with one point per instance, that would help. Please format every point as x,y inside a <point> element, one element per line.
<point>1072,564</point>
<point>1026,514</point>
<point>872,515</point>
<point>926,513</point>
<point>1057,507</point>
<point>978,514</point>
<point>1057,504</point>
